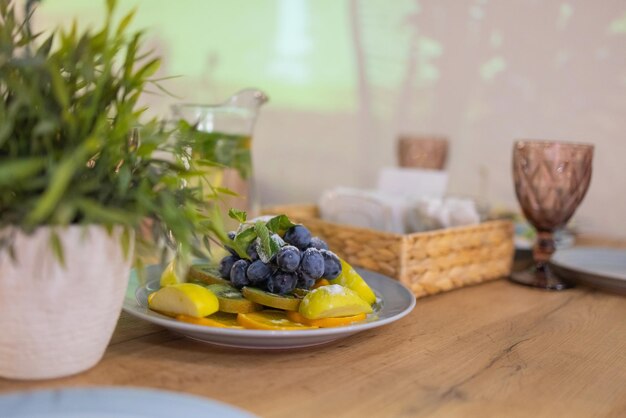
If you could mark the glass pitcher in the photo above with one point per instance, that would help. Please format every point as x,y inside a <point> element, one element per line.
<point>226,131</point>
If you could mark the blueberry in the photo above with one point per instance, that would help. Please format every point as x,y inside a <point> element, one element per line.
<point>226,264</point>
<point>288,258</point>
<point>332,265</point>
<point>252,251</point>
<point>312,263</point>
<point>238,274</point>
<point>318,243</point>
<point>298,236</point>
<point>258,272</point>
<point>304,281</point>
<point>282,282</point>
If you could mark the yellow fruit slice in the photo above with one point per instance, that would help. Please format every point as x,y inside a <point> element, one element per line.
<point>206,273</point>
<point>169,276</point>
<point>288,303</point>
<point>333,301</point>
<point>352,280</point>
<point>216,320</point>
<point>184,299</point>
<point>231,300</point>
<point>269,320</point>
<point>325,322</point>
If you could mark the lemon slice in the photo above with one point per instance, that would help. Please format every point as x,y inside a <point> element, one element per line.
<point>269,320</point>
<point>169,276</point>
<point>184,299</point>
<point>333,301</point>
<point>326,322</point>
<point>352,280</point>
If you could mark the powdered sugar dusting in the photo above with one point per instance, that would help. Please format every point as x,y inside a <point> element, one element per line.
<point>334,289</point>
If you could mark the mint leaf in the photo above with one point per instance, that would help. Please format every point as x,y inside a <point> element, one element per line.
<point>279,224</point>
<point>267,247</point>
<point>238,215</point>
<point>243,240</point>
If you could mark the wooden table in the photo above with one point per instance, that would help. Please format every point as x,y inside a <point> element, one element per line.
<point>494,350</point>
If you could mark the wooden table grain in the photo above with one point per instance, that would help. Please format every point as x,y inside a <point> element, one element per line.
<point>493,350</point>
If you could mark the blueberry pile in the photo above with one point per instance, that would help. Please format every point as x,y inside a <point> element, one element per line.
<point>301,260</point>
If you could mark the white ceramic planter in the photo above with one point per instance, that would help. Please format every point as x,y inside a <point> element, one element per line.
<point>57,320</point>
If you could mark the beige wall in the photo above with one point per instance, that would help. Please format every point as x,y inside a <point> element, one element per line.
<point>505,70</point>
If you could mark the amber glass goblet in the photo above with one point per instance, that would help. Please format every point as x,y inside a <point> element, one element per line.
<point>551,179</point>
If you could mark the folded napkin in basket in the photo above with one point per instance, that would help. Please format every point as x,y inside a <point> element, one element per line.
<point>383,211</point>
<point>413,182</point>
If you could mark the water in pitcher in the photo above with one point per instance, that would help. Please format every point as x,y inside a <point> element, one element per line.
<point>225,133</point>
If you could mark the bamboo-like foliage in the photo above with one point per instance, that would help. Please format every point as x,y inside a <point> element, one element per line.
<point>69,120</point>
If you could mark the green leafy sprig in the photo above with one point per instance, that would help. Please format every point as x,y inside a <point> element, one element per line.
<point>264,231</point>
<point>74,148</point>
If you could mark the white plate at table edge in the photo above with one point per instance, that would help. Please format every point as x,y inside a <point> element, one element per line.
<point>584,265</point>
<point>112,401</point>
<point>397,302</point>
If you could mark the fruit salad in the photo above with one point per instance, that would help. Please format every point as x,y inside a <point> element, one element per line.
<point>276,276</point>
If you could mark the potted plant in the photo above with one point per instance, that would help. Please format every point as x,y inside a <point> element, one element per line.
<point>75,183</point>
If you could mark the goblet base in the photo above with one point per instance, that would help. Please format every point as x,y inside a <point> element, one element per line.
<point>540,277</point>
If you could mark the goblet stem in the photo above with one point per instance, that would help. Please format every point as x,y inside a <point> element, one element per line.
<point>544,247</point>
<point>541,275</point>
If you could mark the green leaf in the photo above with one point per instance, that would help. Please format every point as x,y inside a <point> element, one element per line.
<point>279,224</point>
<point>59,88</point>
<point>14,171</point>
<point>60,181</point>
<point>224,190</point>
<point>125,176</point>
<point>45,47</point>
<point>208,163</point>
<point>148,69</point>
<point>111,5</point>
<point>93,210</point>
<point>125,21</point>
<point>238,215</point>
<point>57,248</point>
<point>243,240</point>
<point>268,247</point>
<point>126,242</point>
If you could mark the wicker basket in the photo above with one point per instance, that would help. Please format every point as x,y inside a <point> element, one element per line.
<point>426,262</point>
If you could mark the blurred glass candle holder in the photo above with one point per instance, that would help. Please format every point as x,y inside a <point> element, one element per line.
<point>420,151</point>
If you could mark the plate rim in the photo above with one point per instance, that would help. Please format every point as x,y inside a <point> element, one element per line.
<point>162,320</point>
<point>582,270</point>
<point>138,396</point>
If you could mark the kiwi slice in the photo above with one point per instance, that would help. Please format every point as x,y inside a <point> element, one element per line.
<point>286,302</point>
<point>206,273</point>
<point>231,300</point>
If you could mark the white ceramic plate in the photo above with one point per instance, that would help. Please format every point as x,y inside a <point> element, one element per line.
<point>603,268</point>
<point>397,301</point>
<point>112,403</point>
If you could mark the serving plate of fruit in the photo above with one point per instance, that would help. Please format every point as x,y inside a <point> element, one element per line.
<point>278,287</point>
